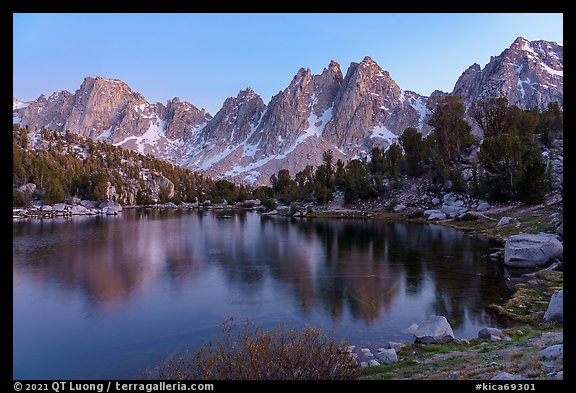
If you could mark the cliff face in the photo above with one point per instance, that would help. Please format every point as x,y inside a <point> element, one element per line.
<point>247,141</point>
<point>528,73</point>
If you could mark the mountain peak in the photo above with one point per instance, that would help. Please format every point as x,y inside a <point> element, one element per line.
<point>333,66</point>
<point>520,41</point>
<point>247,92</point>
<point>528,73</point>
<point>367,60</point>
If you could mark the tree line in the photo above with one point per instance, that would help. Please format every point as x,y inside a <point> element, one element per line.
<point>508,164</point>
<point>64,165</point>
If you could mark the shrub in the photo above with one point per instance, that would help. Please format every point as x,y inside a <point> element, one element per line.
<point>20,199</point>
<point>250,353</point>
<point>390,206</point>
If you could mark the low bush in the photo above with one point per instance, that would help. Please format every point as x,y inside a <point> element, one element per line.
<point>248,352</point>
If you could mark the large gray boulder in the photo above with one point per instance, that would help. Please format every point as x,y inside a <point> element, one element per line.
<point>387,356</point>
<point>433,214</point>
<point>79,210</point>
<point>435,329</point>
<point>506,220</point>
<point>553,352</point>
<point>111,205</point>
<point>487,333</point>
<point>483,206</point>
<point>88,204</point>
<point>453,211</point>
<point>59,207</point>
<point>110,211</point>
<point>555,311</point>
<point>527,250</point>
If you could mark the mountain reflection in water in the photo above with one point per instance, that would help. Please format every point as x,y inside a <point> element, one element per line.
<point>363,280</point>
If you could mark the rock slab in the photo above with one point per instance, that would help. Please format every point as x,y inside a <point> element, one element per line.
<point>555,311</point>
<point>528,250</point>
<point>435,329</point>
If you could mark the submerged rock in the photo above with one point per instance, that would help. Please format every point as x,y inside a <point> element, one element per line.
<point>410,329</point>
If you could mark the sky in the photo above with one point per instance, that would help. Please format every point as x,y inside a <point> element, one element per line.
<point>205,58</point>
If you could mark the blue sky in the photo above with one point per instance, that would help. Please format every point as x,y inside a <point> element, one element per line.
<point>205,58</point>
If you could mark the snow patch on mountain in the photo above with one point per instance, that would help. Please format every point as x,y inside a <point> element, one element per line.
<point>552,71</point>
<point>17,104</point>
<point>105,134</point>
<point>154,133</point>
<point>383,133</point>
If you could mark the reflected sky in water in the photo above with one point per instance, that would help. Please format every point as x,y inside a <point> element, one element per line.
<point>106,297</point>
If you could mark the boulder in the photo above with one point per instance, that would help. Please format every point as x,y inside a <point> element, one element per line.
<point>453,211</point>
<point>555,311</point>
<point>560,229</point>
<point>395,346</point>
<point>457,203</point>
<point>373,363</point>
<point>449,198</point>
<point>486,333</point>
<point>505,221</point>
<point>410,329</point>
<point>435,201</point>
<point>437,216</point>
<point>483,206</point>
<point>79,210</point>
<point>282,209</point>
<point>387,356</point>
<point>399,208</point>
<point>88,204</point>
<point>110,204</point>
<point>504,376</point>
<point>46,208</point>
<point>110,211</point>
<point>528,250</point>
<point>435,329</point>
<point>28,187</point>
<point>59,207</point>
<point>553,351</point>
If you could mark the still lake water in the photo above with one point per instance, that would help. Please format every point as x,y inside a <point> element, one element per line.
<point>106,297</point>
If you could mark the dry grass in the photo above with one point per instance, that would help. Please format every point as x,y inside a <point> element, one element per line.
<point>247,352</point>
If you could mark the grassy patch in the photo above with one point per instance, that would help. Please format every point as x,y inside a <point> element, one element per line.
<point>477,360</point>
<point>529,303</point>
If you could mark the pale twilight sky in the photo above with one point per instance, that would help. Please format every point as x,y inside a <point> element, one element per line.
<point>205,58</point>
